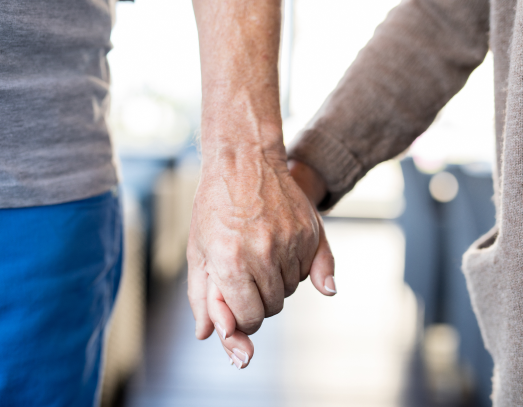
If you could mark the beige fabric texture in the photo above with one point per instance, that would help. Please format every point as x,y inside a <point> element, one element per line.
<point>420,57</point>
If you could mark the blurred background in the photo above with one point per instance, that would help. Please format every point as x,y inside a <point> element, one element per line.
<point>400,332</point>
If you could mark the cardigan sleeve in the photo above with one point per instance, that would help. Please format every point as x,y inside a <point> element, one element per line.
<point>418,58</point>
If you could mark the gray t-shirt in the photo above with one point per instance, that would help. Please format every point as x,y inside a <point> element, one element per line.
<point>54,97</point>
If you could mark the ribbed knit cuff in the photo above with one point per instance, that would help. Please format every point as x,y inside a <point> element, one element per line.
<point>331,159</point>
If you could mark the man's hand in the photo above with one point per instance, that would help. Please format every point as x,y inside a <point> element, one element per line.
<point>254,234</point>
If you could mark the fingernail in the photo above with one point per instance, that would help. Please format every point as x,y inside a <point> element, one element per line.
<point>237,362</point>
<point>220,330</point>
<point>230,361</point>
<point>330,284</point>
<point>241,355</point>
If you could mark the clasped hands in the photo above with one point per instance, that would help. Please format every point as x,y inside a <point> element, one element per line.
<point>255,235</point>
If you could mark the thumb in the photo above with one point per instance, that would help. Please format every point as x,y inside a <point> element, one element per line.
<point>322,268</point>
<point>219,312</point>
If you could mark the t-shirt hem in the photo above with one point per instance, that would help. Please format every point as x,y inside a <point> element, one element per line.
<point>57,191</point>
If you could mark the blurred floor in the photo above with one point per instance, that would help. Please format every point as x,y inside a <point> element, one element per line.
<point>349,350</point>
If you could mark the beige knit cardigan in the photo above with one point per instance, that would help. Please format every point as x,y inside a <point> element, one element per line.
<point>417,60</point>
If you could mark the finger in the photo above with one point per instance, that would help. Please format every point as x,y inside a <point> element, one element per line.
<point>243,299</point>
<point>291,277</point>
<point>239,348</point>
<point>219,312</point>
<point>271,290</point>
<point>310,251</point>
<point>197,292</point>
<point>322,269</point>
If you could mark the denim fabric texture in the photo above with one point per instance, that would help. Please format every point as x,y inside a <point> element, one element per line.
<point>60,267</point>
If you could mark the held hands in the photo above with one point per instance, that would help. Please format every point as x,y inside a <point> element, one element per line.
<point>255,234</point>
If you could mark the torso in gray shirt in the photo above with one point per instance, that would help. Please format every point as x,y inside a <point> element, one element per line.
<point>54,97</point>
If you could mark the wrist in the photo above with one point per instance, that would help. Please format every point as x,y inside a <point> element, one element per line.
<point>244,111</point>
<point>242,161</point>
<point>241,129</point>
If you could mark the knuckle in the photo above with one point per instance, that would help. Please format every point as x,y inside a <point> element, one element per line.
<point>230,274</point>
<point>250,326</point>
<point>274,310</point>
<point>231,252</point>
<point>264,247</point>
<point>290,289</point>
<point>267,250</point>
<point>307,236</point>
<point>195,258</point>
<point>312,235</point>
<point>228,263</point>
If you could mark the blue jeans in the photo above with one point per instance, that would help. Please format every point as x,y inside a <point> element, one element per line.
<point>60,267</point>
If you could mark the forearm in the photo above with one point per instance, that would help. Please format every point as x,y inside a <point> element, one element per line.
<point>417,60</point>
<point>239,46</point>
